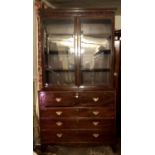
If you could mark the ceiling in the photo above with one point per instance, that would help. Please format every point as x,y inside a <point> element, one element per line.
<point>86,4</point>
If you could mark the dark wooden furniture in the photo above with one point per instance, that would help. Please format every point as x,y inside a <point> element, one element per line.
<point>117,47</point>
<point>78,77</point>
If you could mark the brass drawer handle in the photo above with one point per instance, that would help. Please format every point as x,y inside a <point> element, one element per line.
<point>95,123</point>
<point>77,95</point>
<point>58,99</point>
<point>95,99</point>
<point>115,73</point>
<point>95,135</point>
<point>46,84</point>
<point>58,113</point>
<point>59,123</point>
<point>59,135</point>
<point>95,113</point>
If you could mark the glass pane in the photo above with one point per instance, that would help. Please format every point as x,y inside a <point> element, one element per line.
<point>95,78</point>
<point>59,52</point>
<point>95,51</point>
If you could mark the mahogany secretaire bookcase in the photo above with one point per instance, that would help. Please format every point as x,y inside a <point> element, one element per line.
<point>78,77</point>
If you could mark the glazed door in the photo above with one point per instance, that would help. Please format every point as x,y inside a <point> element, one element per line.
<point>59,52</point>
<point>78,51</point>
<point>95,52</point>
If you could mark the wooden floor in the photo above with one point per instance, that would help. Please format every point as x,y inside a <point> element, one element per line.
<point>97,150</point>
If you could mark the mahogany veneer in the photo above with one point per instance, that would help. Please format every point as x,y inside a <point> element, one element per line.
<point>76,108</point>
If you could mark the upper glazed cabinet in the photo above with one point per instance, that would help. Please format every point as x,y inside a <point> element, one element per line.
<point>77,50</point>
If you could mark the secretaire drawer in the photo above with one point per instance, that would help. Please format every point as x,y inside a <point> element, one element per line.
<point>48,98</point>
<point>85,98</point>
<point>96,98</point>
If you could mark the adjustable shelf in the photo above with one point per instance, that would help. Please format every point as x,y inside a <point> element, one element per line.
<point>96,70</point>
<point>58,53</point>
<point>60,70</point>
<point>105,35</point>
<point>106,51</point>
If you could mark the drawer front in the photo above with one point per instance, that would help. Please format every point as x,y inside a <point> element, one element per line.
<point>106,111</point>
<point>96,98</point>
<point>104,125</point>
<point>58,123</point>
<point>59,112</point>
<point>48,98</point>
<point>54,136</point>
<point>86,98</point>
<point>78,123</point>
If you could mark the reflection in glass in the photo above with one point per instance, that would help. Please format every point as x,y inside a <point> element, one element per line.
<point>59,61</point>
<point>95,51</point>
<point>95,78</point>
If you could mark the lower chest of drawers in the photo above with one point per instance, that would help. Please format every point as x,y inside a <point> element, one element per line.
<point>77,125</point>
<point>93,121</point>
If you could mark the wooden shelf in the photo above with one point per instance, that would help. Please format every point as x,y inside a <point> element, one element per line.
<point>103,51</point>
<point>60,70</point>
<point>58,53</point>
<point>96,70</point>
<point>60,34</point>
<point>83,70</point>
<point>98,35</point>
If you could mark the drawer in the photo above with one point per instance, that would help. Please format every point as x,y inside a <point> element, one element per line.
<point>68,136</point>
<point>58,112</point>
<point>86,98</point>
<point>78,123</point>
<point>48,98</point>
<point>58,123</point>
<point>96,98</point>
<point>102,124</point>
<point>106,111</point>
